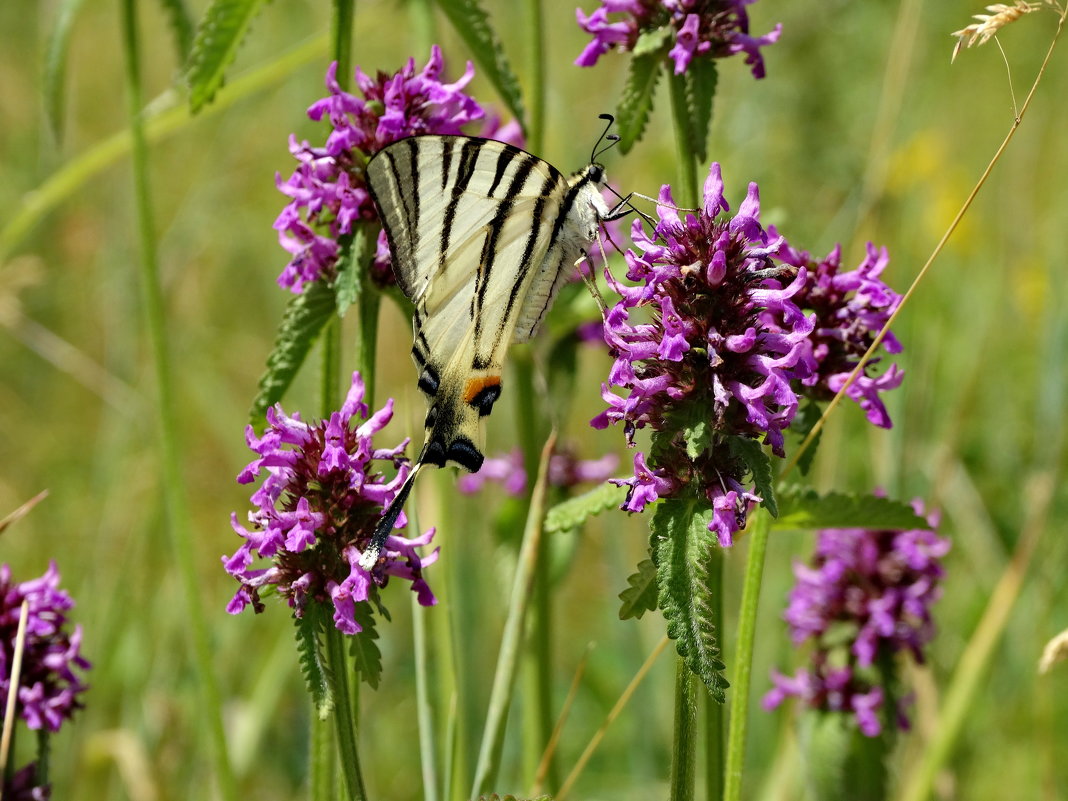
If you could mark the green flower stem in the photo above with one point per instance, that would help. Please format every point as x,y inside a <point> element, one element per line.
<point>743,658</point>
<point>167,113</point>
<point>534,21</point>
<point>330,367</point>
<point>341,38</point>
<point>686,191</point>
<point>322,760</point>
<point>345,723</point>
<point>173,486</point>
<point>538,714</point>
<point>370,301</point>
<point>684,749</point>
<point>715,712</point>
<point>489,756</point>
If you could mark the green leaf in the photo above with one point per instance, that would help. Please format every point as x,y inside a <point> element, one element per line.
<point>841,764</point>
<point>55,64</point>
<point>573,512</point>
<point>805,508</point>
<point>652,41</point>
<point>364,649</point>
<point>351,263</point>
<point>636,101</point>
<point>310,654</point>
<point>698,437</point>
<point>302,321</point>
<point>804,421</point>
<point>640,596</point>
<point>699,89</point>
<point>682,551</point>
<point>181,24</point>
<point>472,23</point>
<point>750,452</point>
<point>219,35</point>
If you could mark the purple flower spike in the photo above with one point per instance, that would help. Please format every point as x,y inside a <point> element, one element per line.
<point>700,28</point>
<point>725,347</point>
<point>321,497</point>
<point>49,688</point>
<point>327,191</point>
<point>878,587</point>
<point>850,309</point>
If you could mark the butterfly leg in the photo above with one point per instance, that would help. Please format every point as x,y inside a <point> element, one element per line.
<point>589,278</point>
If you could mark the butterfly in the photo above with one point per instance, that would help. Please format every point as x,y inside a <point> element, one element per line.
<point>482,235</point>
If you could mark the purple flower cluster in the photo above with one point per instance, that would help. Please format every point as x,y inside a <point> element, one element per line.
<point>727,328</point>
<point>22,785</point>
<point>850,309</point>
<point>709,28</point>
<point>328,190</point>
<point>49,688</point>
<point>316,511</point>
<point>565,470</point>
<point>866,597</point>
<point>724,342</point>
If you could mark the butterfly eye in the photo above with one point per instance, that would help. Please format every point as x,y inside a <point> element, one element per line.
<point>596,173</point>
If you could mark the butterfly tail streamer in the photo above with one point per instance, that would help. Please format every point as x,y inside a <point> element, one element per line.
<point>388,520</point>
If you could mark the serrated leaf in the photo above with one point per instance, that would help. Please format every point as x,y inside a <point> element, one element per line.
<point>352,259</point>
<point>55,64</point>
<point>699,87</point>
<point>652,41</point>
<point>302,321</point>
<point>682,552</point>
<point>750,452</point>
<point>219,36</point>
<point>180,22</point>
<point>640,596</point>
<point>636,101</point>
<point>364,649</point>
<point>312,664</point>
<point>472,23</point>
<point>573,512</point>
<point>804,421</point>
<point>805,508</point>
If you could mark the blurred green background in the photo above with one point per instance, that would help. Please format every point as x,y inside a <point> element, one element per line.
<point>862,131</point>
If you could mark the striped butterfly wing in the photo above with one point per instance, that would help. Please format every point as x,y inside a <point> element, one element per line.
<point>479,233</point>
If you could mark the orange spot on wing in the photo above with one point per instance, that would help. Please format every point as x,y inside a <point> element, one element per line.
<point>476,385</point>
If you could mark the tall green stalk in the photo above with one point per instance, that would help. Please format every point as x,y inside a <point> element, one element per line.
<point>715,712</point>
<point>173,488</point>
<point>534,21</point>
<point>743,657</point>
<point>684,748</point>
<point>344,722</point>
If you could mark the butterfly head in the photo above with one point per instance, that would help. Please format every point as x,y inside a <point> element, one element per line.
<point>595,173</point>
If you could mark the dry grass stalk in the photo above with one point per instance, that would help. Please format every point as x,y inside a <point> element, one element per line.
<point>989,24</point>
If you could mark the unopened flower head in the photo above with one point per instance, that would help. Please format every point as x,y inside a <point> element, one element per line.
<point>850,309</point>
<point>50,686</point>
<point>866,596</point>
<point>695,28</point>
<point>316,510</point>
<point>710,337</point>
<point>328,189</point>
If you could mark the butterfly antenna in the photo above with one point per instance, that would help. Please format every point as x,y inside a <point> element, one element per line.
<point>388,520</point>
<point>611,139</point>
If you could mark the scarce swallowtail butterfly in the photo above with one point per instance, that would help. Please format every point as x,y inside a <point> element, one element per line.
<point>482,236</point>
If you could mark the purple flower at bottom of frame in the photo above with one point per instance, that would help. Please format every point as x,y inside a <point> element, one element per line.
<point>850,308</point>
<point>22,785</point>
<point>321,498</point>
<point>875,586</point>
<point>700,28</point>
<point>49,687</point>
<point>327,191</point>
